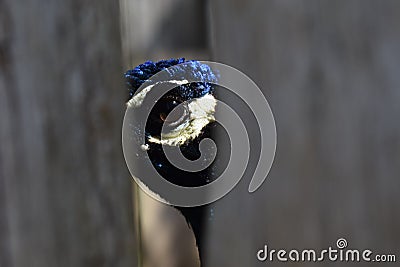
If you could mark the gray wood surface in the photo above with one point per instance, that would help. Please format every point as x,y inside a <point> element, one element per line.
<point>330,70</point>
<point>65,193</point>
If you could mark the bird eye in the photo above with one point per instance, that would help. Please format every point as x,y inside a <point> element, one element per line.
<point>171,112</point>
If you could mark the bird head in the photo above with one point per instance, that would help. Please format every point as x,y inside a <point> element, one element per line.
<point>182,117</point>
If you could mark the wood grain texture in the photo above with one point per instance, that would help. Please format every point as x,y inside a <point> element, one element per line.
<point>330,72</point>
<point>65,193</point>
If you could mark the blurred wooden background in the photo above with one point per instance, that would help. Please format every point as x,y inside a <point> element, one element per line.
<point>328,68</point>
<point>65,192</point>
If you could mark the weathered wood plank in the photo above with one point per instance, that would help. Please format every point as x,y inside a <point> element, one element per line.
<point>65,193</point>
<point>330,72</point>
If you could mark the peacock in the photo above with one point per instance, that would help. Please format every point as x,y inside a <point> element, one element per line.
<point>187,128</point>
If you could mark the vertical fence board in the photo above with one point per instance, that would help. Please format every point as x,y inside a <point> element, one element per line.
<point>330,72</point>
<point>65,194</point>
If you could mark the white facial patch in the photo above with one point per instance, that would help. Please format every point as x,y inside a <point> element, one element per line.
<point>201,113</point>
<point>137,99</point>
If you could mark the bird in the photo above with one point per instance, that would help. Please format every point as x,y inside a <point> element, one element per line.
<point>188,125</point>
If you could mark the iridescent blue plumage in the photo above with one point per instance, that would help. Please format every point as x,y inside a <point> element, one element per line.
<point>194,70</point>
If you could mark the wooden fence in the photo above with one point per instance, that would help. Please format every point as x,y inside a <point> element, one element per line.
<point>329,69</point>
